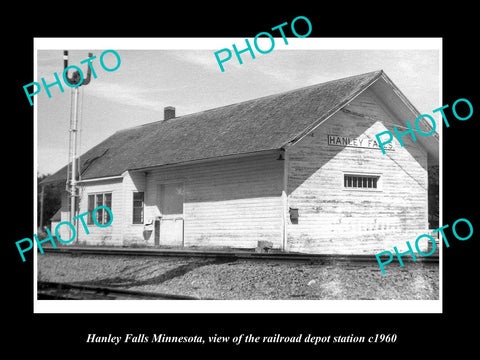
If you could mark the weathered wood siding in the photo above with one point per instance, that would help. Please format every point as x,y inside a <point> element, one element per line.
<point>63,231</point>
<point>112,234</point>
<point>335,220</point>
<point>227,203</point>
<point>132,234</point>
<point>121,231</point>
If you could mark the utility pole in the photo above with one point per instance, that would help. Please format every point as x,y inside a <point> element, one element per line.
<point>42,198</point>
<point>76,80</point>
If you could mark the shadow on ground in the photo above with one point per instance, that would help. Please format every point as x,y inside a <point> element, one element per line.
<point>130,280</point>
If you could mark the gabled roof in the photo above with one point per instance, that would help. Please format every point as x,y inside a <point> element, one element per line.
<point>262,124</point>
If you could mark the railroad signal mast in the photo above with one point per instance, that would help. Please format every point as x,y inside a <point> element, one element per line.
<point>75,81</point>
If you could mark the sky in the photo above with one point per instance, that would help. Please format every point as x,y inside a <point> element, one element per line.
<point>154,74</point>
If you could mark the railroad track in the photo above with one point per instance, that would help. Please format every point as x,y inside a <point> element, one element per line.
<point>241,254</point>
<point>65,291</point>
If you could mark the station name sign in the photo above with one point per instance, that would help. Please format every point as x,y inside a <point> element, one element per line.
<point>359,142</point>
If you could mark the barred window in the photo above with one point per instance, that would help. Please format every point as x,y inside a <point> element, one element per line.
<point>138,202</point>
<point>361,181</point>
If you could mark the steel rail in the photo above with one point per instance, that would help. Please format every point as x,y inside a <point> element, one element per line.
<point>68,291</point>
<point>232,254</point>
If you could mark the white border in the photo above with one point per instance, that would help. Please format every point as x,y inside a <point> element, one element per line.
<point>236,306</point>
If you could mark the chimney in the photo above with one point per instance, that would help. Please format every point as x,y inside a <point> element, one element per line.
<point>168,112</point>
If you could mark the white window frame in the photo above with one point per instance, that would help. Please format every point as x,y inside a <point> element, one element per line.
<point>379,177</point>
<point>143,208</point>
<point>103,212</point>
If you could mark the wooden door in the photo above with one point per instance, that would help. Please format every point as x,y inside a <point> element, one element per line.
<point>171,208</point>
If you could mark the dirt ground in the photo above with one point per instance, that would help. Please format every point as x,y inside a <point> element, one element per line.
<point>246,279</point>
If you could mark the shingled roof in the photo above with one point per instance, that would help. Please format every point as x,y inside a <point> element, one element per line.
<point>266,123</point>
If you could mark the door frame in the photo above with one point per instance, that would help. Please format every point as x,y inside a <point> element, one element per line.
<point>159,200</point>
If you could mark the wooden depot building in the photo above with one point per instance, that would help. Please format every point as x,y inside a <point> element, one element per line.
<point>300,169</point>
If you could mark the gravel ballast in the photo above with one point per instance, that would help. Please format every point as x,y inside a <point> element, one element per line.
<point>226,279</point>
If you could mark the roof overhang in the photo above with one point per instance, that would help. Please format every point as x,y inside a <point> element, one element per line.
<point>396,103</point>
<point>403,110</point>
<point>206,160</point>
<point>328,114</point>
